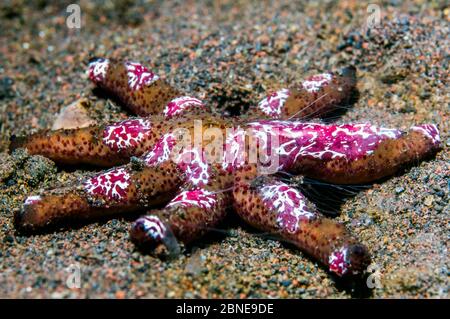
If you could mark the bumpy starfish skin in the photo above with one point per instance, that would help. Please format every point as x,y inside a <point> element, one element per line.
<point>275,207</point>
<point>142,91</point>
<point>198,163</point>
<point>315,96</point>
<point>116,190</point>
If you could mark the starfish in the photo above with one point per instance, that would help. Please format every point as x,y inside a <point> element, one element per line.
<point>188,164</point>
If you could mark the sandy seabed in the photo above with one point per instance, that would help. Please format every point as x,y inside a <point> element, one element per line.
<point>229,54</point>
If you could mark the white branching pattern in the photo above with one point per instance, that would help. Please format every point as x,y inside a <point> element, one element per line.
<point>296,139</point>
<point>161,151</point>
<point>153,227</point>
<point>338,262</point>
<point>113,184</point>
<point>127,134</point>
<point>194,166</point>
<point>198,198</point>
<point>273,104</point>
<point>288,203</point>
<point>316,82</point>
<point>30,200</point>
<point>179,104</point>
<point>139,76</point>
<point>430,131</point>
<point>98,69</point>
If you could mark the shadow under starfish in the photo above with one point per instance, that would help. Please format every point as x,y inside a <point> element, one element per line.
<point>196,164</point>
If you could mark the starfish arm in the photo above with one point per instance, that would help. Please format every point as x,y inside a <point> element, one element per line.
<point>118,190</point>
<point>101,145</point>
<point>316,96</point>
<point>187,217</point>
<point>137,87</point>
<point>141,90</point>
<point>275,207</point>
<point>349,157</point>
<point>114,144</point>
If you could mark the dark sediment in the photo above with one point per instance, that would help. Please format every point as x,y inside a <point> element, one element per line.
<point>229,54</point>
